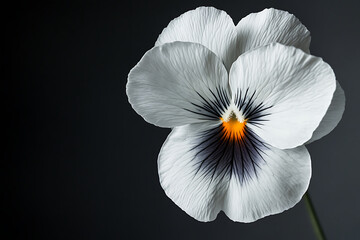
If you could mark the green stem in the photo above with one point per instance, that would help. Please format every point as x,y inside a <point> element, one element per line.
<point>313,217</point>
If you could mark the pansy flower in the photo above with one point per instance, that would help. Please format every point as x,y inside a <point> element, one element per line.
<point>241,101</point>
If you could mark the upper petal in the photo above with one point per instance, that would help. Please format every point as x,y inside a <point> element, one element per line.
<point>208,26</point>
<point>283,91</point>
<point>178,83</point>
<point>332,116</point>
<point>271,25</point>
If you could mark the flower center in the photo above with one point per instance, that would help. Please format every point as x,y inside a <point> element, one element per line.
<point>233,126</point>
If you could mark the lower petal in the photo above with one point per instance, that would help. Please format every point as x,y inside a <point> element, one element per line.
<point>280,184</point>
<point>204,173</point>
<point>196,193</point>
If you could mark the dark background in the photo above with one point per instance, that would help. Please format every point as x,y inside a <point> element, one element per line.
<point>81,164</point>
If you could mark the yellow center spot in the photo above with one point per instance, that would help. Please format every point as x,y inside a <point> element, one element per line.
<point>233,129</point>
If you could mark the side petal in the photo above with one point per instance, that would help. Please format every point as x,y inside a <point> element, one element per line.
<point>281,182</point>
<point>271,25</point>
<point>332,116</point>
<point>284,93</point>
<point>208,26</point>
<point>178,83</point>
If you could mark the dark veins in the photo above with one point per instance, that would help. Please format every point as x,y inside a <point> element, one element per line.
<point>219,156</point>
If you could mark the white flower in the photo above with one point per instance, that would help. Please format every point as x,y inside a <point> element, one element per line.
<point>242,101</point>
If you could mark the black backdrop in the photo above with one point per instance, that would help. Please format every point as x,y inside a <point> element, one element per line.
<point>81,164</point>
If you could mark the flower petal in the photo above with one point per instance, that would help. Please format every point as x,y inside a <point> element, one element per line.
<point>178,83</point>
<point>271,25</point>
<point>204,172</point>
<point>281,182</point>
<point>208,26</point>
<point>181,175</point>
<point>288,91</point>
<point>332,116</point>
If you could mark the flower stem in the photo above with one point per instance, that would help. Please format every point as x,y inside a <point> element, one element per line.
<point>313,217</point>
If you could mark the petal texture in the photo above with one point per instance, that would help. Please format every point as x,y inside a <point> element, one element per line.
<point>271,25</point>
<point>181,177</point>
<point>203,173</point>
<point>280,184</point>
<point>178,83</point>
<point>208,26</point>
<point>292,88</point>
<point>332,116</point>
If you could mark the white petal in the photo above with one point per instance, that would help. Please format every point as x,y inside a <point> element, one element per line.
<point>295,89</point>
<point>332,116</point>
<point>208,26</point>
<point>178,83</point>
<point>203,174</point>
<point>193,191</point>
<point>271,25</point>
<point>280,184</point>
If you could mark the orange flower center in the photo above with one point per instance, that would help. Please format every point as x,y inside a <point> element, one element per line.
<point>233,129</point>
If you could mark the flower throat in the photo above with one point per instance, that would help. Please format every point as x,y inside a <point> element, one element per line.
<point>233,128</point>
